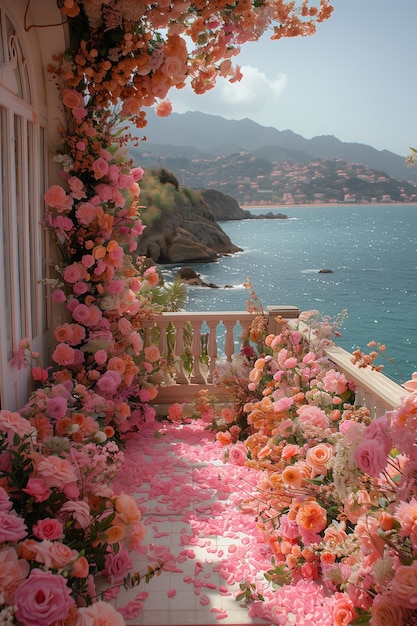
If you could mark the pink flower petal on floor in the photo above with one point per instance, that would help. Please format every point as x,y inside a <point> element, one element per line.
<point>204,601</point>
<point>171,593</point>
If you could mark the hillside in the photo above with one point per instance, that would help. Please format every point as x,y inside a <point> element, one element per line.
<point>259,165</point>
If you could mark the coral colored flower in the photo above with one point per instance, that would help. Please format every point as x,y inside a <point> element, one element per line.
<point>175,412</point>
<point>152,353</point>
<point>292,476</point>
<point>343,610</point>
<point>57,198</point>
<point>64,354</point>
<point>224,438</point>
<point>164,108</point>
<point>80,567</point>
<point>43,598</point>
<point>72,98</point>
<point>126,506</point>
<point>228,415</point>
<point>99,614</point>
<point>39,374</point>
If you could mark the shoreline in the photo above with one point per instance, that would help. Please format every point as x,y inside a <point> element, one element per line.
<point>265,207</point>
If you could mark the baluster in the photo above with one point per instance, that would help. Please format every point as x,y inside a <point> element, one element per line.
<point>212,347</point>
<point>181,377</point>
<point>163,343</point>
<point>229,344</point>
<point>370,403</point>
<point>196,376</point>
<point>359,396</point>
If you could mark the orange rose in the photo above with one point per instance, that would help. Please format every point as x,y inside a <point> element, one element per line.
<point>292,476</point>
<point>318,457</point>
<point>127,507</point>
<point>311,516</point>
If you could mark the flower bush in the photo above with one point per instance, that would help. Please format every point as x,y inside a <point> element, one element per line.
<point>337,500</point>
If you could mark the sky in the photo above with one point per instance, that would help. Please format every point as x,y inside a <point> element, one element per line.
<point>355,79</point>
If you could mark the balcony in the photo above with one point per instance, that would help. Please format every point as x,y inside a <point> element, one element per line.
<point>217,336</point>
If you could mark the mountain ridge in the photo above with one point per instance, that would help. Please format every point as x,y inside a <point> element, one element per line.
<point>201,131</point>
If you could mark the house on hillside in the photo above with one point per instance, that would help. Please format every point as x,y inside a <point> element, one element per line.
<point>30,34</point>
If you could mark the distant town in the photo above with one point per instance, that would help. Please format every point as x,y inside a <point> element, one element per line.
<point>252,180</point>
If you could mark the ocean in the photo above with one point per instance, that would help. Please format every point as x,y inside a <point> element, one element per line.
<point>372,254</point>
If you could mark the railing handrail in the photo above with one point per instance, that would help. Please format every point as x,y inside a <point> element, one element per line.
<point>388,391</point>
<point>373,389</point>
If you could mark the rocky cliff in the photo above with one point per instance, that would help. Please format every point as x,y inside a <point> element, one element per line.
<point>222,206</point>
<point>180,226</point>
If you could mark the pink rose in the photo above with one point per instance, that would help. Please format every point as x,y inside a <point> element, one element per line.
<point>64,354</point>
<point>56,472</point>
<point>12,527</point>
<point>99,614</point>
<point>109,382</point>
<point>238,454</point>
<point>100,357</point>
<point>5,504</point>
<point>44,598</point>
<point>117,565</point>
<point>56,407</point>
<point>48,528</point>
<point>343,610</point>
<point>312,415</point>
<point>12,572</point>
<point>38,489</point>
<point>79,511</point>
<point>77,187</point>
<point>385,611</point>
<point>79,112</point>
<point>100,168</point>
<point>58,296</point>
<point>404,586</point>
<point>137,342</point>
<point>72,273</point>
<point>61,555</point>
<point>371,456</point>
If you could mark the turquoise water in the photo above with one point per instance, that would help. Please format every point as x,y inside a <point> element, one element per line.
<point>371,250</point>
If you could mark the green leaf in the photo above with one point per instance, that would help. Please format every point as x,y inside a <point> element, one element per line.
<point>361,619</point>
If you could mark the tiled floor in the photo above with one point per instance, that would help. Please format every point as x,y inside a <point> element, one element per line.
<point>189,499</point>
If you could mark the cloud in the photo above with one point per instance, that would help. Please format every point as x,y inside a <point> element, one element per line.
<point>249,97</point>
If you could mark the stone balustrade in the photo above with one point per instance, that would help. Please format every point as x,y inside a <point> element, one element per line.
<point>203,338</point>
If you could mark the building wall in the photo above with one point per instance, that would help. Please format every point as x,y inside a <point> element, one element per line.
<point>29,112</point>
